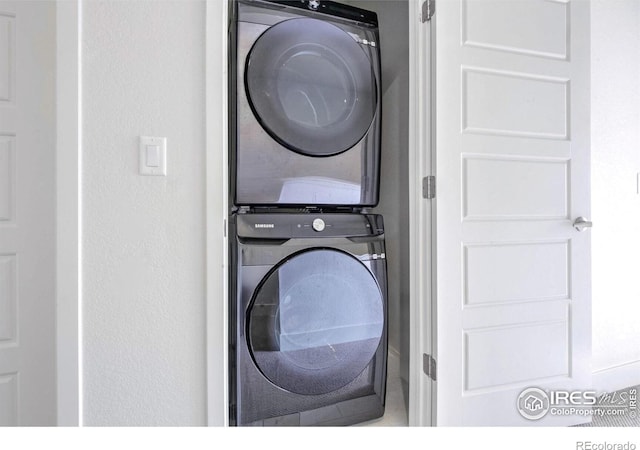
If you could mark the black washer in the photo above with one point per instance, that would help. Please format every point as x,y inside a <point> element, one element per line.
<point>315,321</point>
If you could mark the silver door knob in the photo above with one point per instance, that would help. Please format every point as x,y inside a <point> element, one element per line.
<point>581,223</point>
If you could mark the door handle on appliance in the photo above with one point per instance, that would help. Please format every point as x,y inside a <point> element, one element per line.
<point>581,223</point>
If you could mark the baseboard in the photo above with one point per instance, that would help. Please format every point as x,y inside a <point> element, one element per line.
<point>618,377</point>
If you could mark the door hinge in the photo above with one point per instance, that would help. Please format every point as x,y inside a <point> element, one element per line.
<point>429,187</point>
<point>429,366</point>
<point>428,8</point>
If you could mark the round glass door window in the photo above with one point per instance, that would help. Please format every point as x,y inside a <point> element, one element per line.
<point>315,321</point>
<point>311,86</point>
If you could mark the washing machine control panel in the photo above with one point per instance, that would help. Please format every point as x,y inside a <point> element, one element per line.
<point>292,226</point>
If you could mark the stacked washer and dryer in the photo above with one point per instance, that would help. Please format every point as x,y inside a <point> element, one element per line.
<point>308,303</point>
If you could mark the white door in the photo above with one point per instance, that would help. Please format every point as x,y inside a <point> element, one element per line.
<point>512,167</point>
<point>27,202</point>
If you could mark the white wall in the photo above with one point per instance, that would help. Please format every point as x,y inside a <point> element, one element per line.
<point>143,237</point>
<point>615,150</point>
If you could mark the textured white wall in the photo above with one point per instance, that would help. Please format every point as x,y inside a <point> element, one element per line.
<point>615,151</point>
<point>144,237</point>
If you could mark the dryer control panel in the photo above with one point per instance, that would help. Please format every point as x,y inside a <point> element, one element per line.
<point>333,8</point>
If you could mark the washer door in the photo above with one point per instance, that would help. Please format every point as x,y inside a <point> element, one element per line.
<point>311,86</point>
<point>315,321</point>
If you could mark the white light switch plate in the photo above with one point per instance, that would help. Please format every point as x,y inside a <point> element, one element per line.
<point>153,155</point>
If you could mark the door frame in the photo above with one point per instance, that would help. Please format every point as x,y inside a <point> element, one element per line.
<point>217,185</point>
<point>422,326</point>
<point>421,307</point>
<point>69,213</point>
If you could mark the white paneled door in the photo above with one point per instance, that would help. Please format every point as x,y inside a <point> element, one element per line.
<point>27,205</point>
<point>512,166</point>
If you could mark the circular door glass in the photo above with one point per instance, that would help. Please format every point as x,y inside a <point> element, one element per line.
<point>311,86</point>
<point>315,321</point>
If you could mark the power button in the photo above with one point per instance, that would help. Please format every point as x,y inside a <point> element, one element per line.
<point>318,224</point>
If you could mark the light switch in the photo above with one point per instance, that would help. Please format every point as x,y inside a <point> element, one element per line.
<point>153,155</point>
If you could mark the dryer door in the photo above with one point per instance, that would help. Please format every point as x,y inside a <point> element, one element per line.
<point>315,321</point>
<point>311,86</point>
